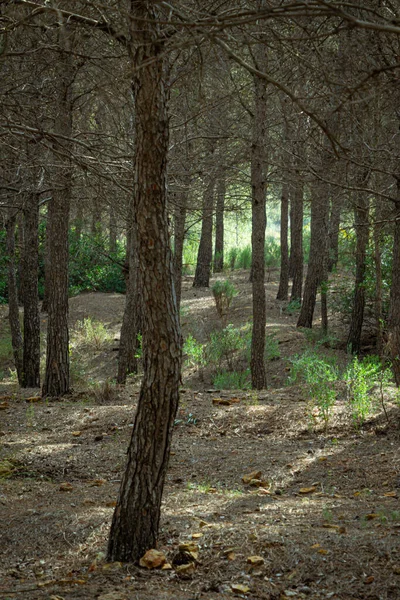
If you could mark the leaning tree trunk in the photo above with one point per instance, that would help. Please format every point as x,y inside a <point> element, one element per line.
<point>204,254</point>
<point>13,307</point>
<point>136,518</point>
<point>357,315</point>
<point>219,225</point>
<point>283,290</point>
<point>57,380</point>
<point>318,246</point>
<point>31,354</point>
<point>258,223</point>
<point>296,254</point>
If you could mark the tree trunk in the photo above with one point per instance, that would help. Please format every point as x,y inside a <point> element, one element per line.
<point>296,227</point>
<point>377,229</point>
<point>394,310</point>
<point>357,316</point>
<point>318,246</point>
<point>219,225</point>
<point>47,282</point>
<point>334,226</point>
<point>13,306</point>
<point>204,254</point>
<point>258,216</point>
<point>179,238</point>
<point>31,358</point>
<point>136,518</point>
<point>56,381</point>
<point>112,238</point>
<point>131,322</point>
<point>283,290</point>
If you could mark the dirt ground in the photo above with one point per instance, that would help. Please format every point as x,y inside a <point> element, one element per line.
<point>325,523</point>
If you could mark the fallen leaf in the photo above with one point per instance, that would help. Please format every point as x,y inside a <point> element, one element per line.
<point>166,567</point>
<point>238,588</point>
<point>371,516</point>
<point>230,555</point>
<point>369,580</point>
<point>315,546</point>
<point>153,559</point>
<point>250,476</point>
<point>33,399</point>
<point>97,482</point>
<point>185,570</point>
<point>255,561</point>
<point>76,433</point>
<point>111,504</point>
<point>323,551</point>
<point>66,487</point>
<point>112,566</point>
<point>196,536</point>
<point>113,596</point>
<point>391,495</point>
<point>322,458</point>
<point>4,405</point>
<point>188,547</point>
<point>307,490</point>
<point>255,483</point>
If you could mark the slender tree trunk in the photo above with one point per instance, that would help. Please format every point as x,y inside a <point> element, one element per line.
<point>31,359</point>
<point>283,290</point>
<point>318,247</point>
<point>13,306</point>
<point>357,316</point>
<point>47,282</point>
<point>219,225</point>
<point>296,254</point>
<point>394,310</point>
<point>259,222</point>
<point>136,518</point>
<point>179,238</point>
<point>377,228</point>
<point>112,238</point>
<point>204,254</point>
<point>131,322</point>
<point>334,226</point>
<point>56,381</point>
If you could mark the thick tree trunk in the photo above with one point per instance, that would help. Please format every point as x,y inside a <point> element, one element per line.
<point>258,223</point>
<point>283,290</point>
<point>131,322</point>
<point>317,258</point>
<point>357,316</point>
<point>296,228</point>
<point>136,518</point>
<point>204,254</point>
<point>56,381</point>
<point>31,359</point>
<point>219,225</point>
<point>377,229</point>
<point>13,305</point>
<point>179,238</point>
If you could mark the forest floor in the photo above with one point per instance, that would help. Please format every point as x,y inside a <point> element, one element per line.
<point>324,523</point>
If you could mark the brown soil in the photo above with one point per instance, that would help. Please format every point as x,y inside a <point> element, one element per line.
<point>340,539</point>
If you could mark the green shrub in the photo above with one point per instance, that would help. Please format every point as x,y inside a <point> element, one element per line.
<point>193,352</point>
<point>90,333</point>
<point>272,252</point>
<point>244,258</point>
<point>224,346</point>
<point>232,380</point>
<point>232,257</point>
<point>319,375</point>
<point>223,292</point>
<point>361,376</point>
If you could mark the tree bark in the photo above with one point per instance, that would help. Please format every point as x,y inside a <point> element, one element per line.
<point>112,237</point>
<point>204,254</point>
<point>259,222</point>
<point>219,225</point>
<point>31,355</point>
<point>318,247</point>
<point>283,290</point>
<point>13,305</point>
<point>136,518</point>
<point>334,226</point>
<point>357,316</point>
<point>394,309</point>
<point>296,227</point>
<point>131,322</point>
<point>56,380</point>
<point>179,238</point>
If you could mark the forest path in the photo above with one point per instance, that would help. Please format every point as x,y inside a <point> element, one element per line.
<point>324,516</point>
